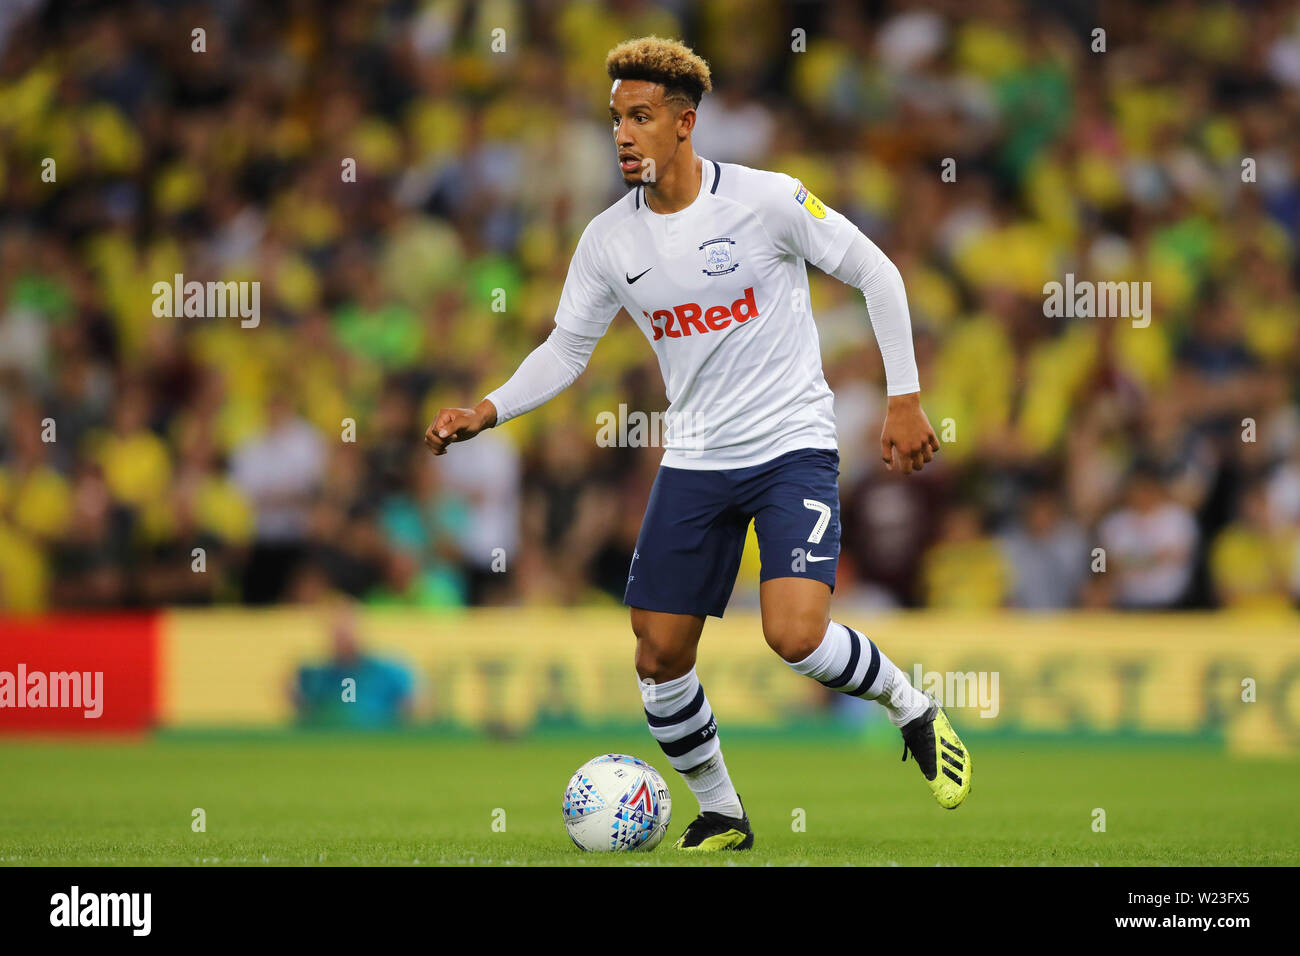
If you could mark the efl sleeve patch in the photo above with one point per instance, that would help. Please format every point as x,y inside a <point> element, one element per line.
<point>810,202</point>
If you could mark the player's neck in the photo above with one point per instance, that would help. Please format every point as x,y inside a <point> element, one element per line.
<point>679,185</point>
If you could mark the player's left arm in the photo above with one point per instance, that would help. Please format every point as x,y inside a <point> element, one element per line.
<point>907,438</point>
<point>801,225</point>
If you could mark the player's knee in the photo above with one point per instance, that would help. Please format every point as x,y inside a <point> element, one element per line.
<point>659,656</point>
<point>660,662</point>
<point>794,637</point>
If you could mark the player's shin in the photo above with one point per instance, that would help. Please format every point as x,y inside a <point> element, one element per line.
<point>681,721</point>
<point>850,662</point>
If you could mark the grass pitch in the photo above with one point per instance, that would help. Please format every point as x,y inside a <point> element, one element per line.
<point>340,800</point>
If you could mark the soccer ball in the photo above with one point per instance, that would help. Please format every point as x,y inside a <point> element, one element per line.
<point>616,802</point>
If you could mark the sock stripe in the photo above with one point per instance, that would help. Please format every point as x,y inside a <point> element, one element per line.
<point>855,651</point>
<point>686,713</point>
<point>868,675</point>
<point>695,769</point>
<point>693,760</point>
<point>676,748</point>
<point>687,727</point>
<point>872,669</point>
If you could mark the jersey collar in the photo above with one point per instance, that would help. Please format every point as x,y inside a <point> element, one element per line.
<point>710,174</point>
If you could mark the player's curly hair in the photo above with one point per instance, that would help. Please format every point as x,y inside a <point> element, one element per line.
<point>684,75</point>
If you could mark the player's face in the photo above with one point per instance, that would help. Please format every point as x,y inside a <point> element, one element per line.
<point>647,130</point>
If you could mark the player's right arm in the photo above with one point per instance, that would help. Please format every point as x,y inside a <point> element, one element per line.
<point>587,306</point>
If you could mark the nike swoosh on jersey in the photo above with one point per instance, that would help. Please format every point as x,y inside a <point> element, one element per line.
<point>631,279</point>
<point>827,558</point>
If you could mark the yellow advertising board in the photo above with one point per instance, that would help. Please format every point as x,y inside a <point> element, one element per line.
<point>1217,675</point>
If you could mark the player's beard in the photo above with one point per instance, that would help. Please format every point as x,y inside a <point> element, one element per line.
<point>636,179</point>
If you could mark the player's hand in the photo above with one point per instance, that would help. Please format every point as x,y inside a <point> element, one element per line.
<point>458,424</point>
<point>907,437</point>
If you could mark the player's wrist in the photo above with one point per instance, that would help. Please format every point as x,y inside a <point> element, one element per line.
<point>911,399</point>
<point>487,414</point>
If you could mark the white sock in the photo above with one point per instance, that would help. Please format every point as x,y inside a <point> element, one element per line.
<point>850,662</point>
<point>681,720</point>
<point>712,787</point>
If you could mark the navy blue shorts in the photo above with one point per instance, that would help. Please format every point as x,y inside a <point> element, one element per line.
<point>693,533</point>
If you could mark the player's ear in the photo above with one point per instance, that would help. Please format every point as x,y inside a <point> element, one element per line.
<point>685,122</point>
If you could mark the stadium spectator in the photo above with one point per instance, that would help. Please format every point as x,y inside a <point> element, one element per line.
<point>92,563</point>
<point>1150,544</point>
<point>487,482</point>
<point>1048,555</point>
<point>278,471</point>
<point>353,688</point>
<point>888,520</point>
<point>965,570</point>
<point>1253,560</point>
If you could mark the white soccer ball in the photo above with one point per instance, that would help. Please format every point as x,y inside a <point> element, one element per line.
<point>617,802</point>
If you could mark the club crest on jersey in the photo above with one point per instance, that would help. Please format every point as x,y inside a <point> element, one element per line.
<point>810,202</point>
<point>718,260</point>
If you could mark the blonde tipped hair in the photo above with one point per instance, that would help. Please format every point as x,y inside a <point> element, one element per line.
<point>683,74</point>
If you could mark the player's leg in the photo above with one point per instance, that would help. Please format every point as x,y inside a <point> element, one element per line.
<point>683,569</point>
<point>798,626</point>
<point>796,519</point>
<point>665,644</point>
<point>681,721</point>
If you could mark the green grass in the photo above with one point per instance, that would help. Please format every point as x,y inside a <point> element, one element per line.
<point>346,800</point>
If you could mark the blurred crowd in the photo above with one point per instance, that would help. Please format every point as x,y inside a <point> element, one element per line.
<point>987,148</point>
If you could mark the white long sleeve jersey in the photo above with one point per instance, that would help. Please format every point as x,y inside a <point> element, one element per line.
<point>720,291</point>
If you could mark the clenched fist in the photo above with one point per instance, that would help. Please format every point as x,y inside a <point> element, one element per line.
<point>459,424</point>
<point>907,438</point>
